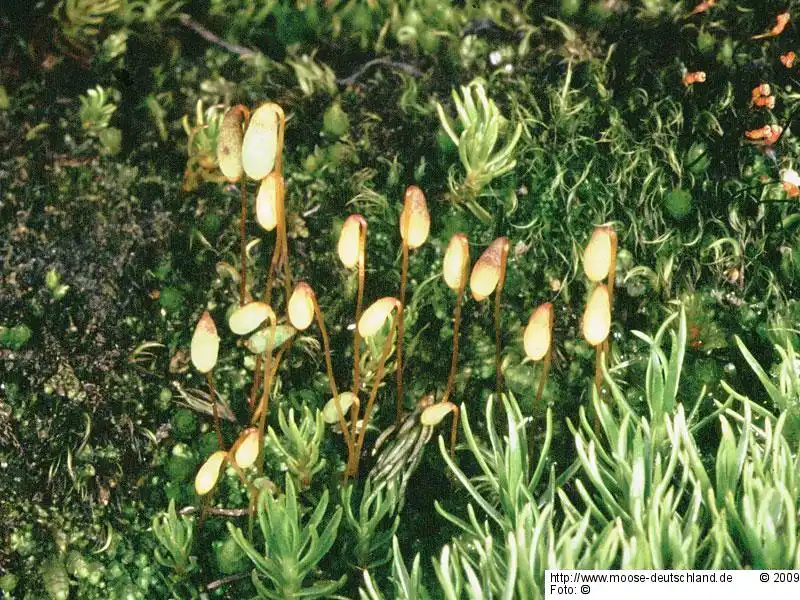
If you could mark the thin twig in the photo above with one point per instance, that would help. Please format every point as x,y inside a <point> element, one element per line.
<point>209,36</point>
<point>400,66</point>
<point>225,580</point>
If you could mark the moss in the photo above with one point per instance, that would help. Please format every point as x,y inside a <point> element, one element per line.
<point>206,444</point>
<point>229,556</point>
<point>171,299</point>
<point>15,337</point>
<point>678,203</point>
<point>184,424</point>
<point>335,121</point>
<point>182,463</point>
<point>608,136</point>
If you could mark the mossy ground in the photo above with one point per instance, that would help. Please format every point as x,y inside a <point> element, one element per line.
<point>89,410</point>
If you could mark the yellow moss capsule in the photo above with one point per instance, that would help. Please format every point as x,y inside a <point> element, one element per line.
<point>269,191</point>
<point>537,337</point>
<point>486,272</point>
<point>456,259</point>
<point>597,316</point>
<point>415,221</point>
<point>329,412</point>
<point>350,239</point>
<point>434,414</point>
<point>375,316</point>
<point>208,474</point>
<point>205,344</point>
<point>598,252</point>
<point>247,451</point>
<point>247,318</point>
<point>229,143</point>
<point>301,306</point>
<point>260,144</point>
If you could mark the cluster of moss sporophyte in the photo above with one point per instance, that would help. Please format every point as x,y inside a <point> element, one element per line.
<point>676,125</point>
<point>599,263</point>
<point>251,146</point>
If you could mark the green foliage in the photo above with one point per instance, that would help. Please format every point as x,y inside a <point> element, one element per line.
<point>14,337</point>
<point>689,456</point>
<point>292,547</point>
<point>55,579</point>
<point>175,536</point>
<point>96,109</point>
<point>785,396</point>
<point>649,499</point>
<point>335,121</point>
<point>230,556</point>
<point>95,113</point>
<point>405,585</point>
<point>481,125</point>
<point>54,285</point>
<point>506,491</point>
<point>313,76</point>
<point>82,19</point>
<point>757,485</point>
<point>508,478</point>
<point>663,374</point>
<point>201,147</point>
<point>151,11</point>
<point>298,447</point>
<point>375,523</point>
